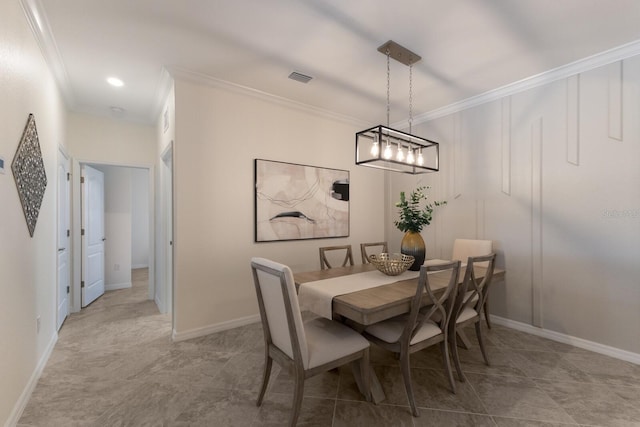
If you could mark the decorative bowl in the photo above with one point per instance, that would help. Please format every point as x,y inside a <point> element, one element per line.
<point>391,264</point>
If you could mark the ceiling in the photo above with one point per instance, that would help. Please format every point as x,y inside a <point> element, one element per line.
<point>468,47</point>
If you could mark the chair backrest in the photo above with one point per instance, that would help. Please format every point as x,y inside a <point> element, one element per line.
<point>473,293</point>
<point>464,248</point>
<point>326,263</point>
<point>441,306</point>
<point>365,255</point>
<point>279,309</point>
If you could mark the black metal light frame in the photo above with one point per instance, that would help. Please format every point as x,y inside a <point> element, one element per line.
<point>384,135</point>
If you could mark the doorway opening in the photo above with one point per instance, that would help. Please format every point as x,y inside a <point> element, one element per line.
<point>127,237</point>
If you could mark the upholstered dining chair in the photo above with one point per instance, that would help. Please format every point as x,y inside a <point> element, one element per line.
<point>469,303</point>
<point>324,258</point>
<point>463,249</point>
<point>383,247</point>
<point>304,348</point>
<point>420,329</point>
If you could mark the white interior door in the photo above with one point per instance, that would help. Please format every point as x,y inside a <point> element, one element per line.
<point>64,249</point>
<point>93,234</point>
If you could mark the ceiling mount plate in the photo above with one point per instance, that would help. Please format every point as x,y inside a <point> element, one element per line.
<point>399,53</point>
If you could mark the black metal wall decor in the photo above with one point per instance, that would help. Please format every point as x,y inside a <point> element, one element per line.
<point>28,171</point>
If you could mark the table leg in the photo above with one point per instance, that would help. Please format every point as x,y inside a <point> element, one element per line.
<point>377,395</point>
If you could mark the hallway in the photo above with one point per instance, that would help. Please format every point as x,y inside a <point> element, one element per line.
<point>98,363</point>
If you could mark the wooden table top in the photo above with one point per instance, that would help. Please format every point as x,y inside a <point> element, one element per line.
<point>372,305</point>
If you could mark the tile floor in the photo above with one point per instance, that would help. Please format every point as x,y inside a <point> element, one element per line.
<point>115,365</point>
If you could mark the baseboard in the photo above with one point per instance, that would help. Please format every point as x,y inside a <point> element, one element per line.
<point>139,266</point>
<point>159,304</point>
<point>211,329</point>
<point>116,286</point>
<point>568,339</point>
<point>16,413</point>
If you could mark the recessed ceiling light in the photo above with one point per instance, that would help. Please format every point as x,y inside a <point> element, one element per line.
<point>114,81</point>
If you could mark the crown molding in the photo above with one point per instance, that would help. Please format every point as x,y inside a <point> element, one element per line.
<point>580,66</point>
<point>196,77</point>
<point>41,30</point>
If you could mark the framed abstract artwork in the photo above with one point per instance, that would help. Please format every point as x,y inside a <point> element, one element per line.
<point>297,202</point>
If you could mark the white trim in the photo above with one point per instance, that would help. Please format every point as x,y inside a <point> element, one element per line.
<point>279,100</point>
<point>580,66</point>
<point>627,356</point>
<point>134,266</point>
<point>41,30</point>
<point>18,409</point>
<point>211,329</point>
<point>116,286</point>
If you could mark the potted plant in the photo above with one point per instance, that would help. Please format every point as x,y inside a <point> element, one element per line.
<point>412,220</point>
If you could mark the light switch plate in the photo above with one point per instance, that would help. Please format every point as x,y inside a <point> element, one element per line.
<point>1,165</point>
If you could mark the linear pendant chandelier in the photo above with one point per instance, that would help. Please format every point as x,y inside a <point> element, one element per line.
<point>393,150</point>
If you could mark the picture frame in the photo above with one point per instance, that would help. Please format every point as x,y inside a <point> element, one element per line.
<point>298,202</point>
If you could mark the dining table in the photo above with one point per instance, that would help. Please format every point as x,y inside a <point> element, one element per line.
<point>361,296</point>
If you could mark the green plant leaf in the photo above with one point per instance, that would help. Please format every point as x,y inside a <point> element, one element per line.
<point>412,216</point>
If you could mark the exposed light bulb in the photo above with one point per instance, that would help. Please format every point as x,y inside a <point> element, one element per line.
<point>410,157</point>
<point>400,155</point>
<point>375,149</point>
<point>387,152</point>
<point>420,158</point>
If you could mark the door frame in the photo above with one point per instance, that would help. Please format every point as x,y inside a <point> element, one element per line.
<point>64,157</point>
<point>76,225</point>
<point>166,232</point>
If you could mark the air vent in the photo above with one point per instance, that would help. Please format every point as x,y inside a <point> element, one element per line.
<point>299,77</point>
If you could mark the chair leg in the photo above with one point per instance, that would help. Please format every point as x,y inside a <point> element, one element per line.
<point>298,392</point>
<point>444,347</point>
<point>406,376</point>
<point>481,341</point>
<point>453,345</point>
<point>486,313</point>
<point>268,362</point>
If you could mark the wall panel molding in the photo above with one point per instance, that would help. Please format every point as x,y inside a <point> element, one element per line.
<point>573,119</point>
<point>615,101</point>
<point>457,169</point>
<point>536,221</point>
<point>480,219</point>
<point>506,145</point>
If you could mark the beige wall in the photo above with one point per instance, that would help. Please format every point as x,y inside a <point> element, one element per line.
<point>542,174</point>
<point>219,132</point>
<point>111,141</point>
<point>28,265</point>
